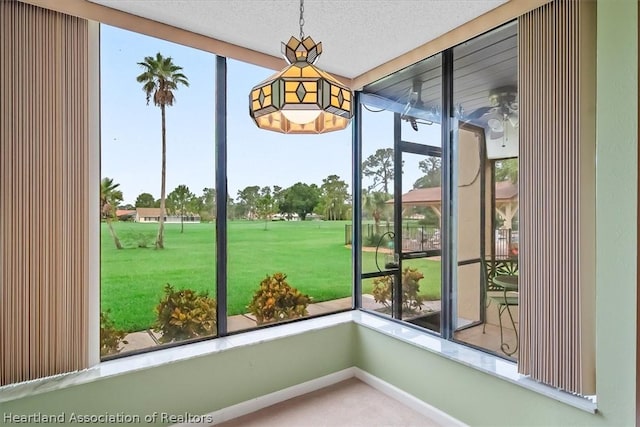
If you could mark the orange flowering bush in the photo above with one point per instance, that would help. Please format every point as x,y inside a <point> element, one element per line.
<point>411,298</point>
<point>184,314</point>
<point>277,300</point>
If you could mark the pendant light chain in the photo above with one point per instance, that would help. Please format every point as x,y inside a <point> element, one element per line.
<point>301,19</point>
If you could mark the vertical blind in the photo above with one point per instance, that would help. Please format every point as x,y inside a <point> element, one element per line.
<point>43,192</point>
<point>556,71</point>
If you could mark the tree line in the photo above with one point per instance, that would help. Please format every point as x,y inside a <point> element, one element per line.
<point>331,200</point>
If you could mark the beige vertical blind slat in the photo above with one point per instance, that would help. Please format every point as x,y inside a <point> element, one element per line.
<point>43,192</point>
<point>556,177</point>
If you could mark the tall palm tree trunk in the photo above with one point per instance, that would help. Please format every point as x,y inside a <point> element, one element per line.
<point>160,238</point>
<point>376,219</point>
<point>113,234</point>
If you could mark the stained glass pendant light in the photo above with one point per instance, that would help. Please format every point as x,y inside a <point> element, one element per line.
<point>301,98</point>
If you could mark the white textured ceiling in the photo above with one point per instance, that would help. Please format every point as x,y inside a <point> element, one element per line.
<point>356,35</point>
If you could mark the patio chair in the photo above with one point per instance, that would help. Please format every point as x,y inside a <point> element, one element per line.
<point>503,298</point>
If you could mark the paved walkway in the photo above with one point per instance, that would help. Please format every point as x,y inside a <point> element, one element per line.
<point>149,338</point>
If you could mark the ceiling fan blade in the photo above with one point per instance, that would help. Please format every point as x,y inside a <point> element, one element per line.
<point>495,135</point>
<point>477,113</point>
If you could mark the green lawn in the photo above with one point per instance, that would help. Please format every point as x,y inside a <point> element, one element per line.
<point>311,253</point>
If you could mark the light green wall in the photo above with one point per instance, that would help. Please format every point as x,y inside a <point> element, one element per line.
<point>616,184</point>
<point>207,383</point>
<point>473,397</point>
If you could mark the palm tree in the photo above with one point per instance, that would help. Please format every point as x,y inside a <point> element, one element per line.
<point>376,203</point>
<point>109,199</point>
<point>159,79</point>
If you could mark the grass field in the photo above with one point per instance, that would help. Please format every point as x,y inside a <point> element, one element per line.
<point>311,253</point>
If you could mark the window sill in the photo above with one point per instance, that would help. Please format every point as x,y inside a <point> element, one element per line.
<point>470,357</point>
<point>126,365</point>
<point>467,356</point>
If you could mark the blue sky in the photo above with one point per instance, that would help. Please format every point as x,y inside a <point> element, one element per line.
<point>131,135</point>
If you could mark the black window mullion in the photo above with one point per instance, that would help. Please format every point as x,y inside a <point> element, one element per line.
<point>221,193</point>
<point>448,197</point>
<point>356,212</point>
<point>396,293</point>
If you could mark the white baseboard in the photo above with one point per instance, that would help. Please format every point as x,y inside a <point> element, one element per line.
<point>253,405</point>
<point>410,400</point>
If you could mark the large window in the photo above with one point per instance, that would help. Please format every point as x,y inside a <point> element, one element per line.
<point>157,193</point>
<point>439,179</point>
<point>287,252</point>
<point>401,184</point>
<point>485,93</point>
<point>288,216</point>
<point>438,197</point>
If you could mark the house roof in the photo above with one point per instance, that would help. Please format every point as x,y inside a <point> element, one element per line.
<point>122,212</point>
<point>148,212</point>
<point>422,196</point>
<point>155,212</point>
<point>505,191</point>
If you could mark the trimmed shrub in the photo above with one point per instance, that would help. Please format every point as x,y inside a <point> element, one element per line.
<point>110,337</point>
<point>184,314</point>
<point>275,300</point>
<point>411,299</point>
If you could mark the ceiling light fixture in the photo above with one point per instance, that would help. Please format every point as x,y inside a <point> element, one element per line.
<point>495,125</point>
<point>301,98</point>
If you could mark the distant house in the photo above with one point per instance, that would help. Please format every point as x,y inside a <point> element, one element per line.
<point>153,215</point>
<point>125,214</point>
<point>285,217</point>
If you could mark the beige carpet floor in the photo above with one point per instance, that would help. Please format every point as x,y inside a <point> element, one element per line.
<point>348,403</point>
